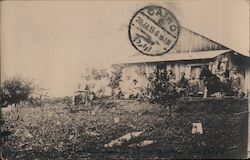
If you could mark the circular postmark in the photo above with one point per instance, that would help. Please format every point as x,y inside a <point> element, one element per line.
<point>153,30</point>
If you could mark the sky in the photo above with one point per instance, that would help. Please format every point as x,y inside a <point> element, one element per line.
<point>53,42</point>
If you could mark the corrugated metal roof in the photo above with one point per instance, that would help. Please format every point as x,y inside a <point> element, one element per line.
<point>175,56</point>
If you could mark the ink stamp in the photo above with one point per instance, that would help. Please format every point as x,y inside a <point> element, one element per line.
<point>153,30</point>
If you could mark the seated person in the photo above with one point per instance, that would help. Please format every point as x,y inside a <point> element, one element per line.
<point>220,67</point>
<point>118,93</point>
<point>193,83</point>
<point>134,89</point>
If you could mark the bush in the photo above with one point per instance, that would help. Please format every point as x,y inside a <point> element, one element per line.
<point>162,91</point>
<point>15,90</point>
<point>95,73</point>
<point>116,76</point>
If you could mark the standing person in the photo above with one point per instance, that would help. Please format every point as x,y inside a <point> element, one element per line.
<point>204,76</point>
<point>193,84</point>
<point>183,85</point>
<point>236,82</point>
<point>220,69</point>
<point>218,65</point>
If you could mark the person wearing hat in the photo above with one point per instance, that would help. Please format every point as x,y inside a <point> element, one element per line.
<point>236,82</point>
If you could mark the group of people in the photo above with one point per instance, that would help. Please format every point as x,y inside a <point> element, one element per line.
<point>222,72</point>
<point>184,86</point>
<point>189,87</point>
<point>157,81</point>
<point>132,87</point>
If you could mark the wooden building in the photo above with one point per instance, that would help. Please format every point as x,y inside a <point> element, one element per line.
<point>190,53</point>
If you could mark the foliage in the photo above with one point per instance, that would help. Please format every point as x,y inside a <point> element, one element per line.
<point>162,91</point>
<point>95,73</point>
<point>38,97</point>
<point>3,97</point>
<point>116,75</point>
<point>12,91</point>
<point>140,71</point>
<point>99,79</point>
<point>16,89</point>
<point>54,132</point>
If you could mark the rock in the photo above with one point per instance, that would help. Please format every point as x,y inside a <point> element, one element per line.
<point>91,133</point>
<point>28,135</point>
<point>71,137</point>
<point>122,139</point>
<point>116,119</point>
<point>142,143</point>
<point>197,128</point>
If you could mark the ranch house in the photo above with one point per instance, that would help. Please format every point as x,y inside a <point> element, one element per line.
<point>190,53</point>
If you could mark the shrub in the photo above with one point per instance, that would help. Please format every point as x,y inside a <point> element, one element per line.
<point>116,75</point>
<point>15,90</point>
<point>162,90</point>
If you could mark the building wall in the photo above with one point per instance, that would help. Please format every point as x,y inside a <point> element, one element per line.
<point>138,72</point>
<point>134,71</point>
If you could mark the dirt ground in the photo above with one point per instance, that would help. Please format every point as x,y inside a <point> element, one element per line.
<point>65,132</point>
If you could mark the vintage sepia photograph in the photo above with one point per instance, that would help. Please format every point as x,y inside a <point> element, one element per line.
<point>105,79</point>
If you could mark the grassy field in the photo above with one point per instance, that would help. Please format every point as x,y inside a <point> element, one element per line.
<point>58,132</point>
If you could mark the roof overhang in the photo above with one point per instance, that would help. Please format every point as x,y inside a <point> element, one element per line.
<point>175,57</point>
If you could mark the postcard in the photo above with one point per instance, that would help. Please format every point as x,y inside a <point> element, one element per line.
<point>165,79</point>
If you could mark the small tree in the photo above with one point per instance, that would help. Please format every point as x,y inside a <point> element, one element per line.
<point>95,73</point>
<point>16,89</point>
<point>116,75</point>
<point>12,91</point>
<point>38,97</point>
<point>163,91</point>
<point>3,97</point>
